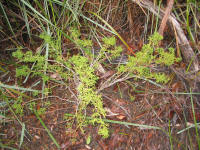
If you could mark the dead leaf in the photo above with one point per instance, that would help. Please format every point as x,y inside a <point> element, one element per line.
<point>88,147</point>
<point>176,86</point>
<point>121,117</point>
<point>37,137</point>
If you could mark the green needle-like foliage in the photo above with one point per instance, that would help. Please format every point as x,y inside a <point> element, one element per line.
<point>150,54</point>
<point>87,94</point>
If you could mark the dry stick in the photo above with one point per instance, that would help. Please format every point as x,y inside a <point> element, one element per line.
<point>186,49</point>
<point>166,16</point>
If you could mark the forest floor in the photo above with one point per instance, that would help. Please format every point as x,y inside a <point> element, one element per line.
<point>142,114</point>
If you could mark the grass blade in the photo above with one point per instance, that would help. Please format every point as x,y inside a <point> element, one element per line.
<point>122,123</point>
<point>113,30</point>
<point>36,12</point>
<point>26,20</point>
<point>7,20</point>
<point>18,88</point>
<point>189,126</point>
<point>195,122</point>
<point>6,147</point>
<point>22,135</point>
<point>49,133</point>
<point>170,136</point>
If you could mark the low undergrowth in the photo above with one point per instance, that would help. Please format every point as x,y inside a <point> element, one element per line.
<point>82,68</point>
<point>71,83</point>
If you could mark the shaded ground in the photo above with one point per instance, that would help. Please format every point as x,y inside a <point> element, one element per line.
<point>147,108</point>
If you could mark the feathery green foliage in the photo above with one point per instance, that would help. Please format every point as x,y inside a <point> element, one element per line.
<point>87,94</point>
<point>151,54</point>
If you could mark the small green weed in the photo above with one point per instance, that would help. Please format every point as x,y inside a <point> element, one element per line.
<point>86,88</point>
